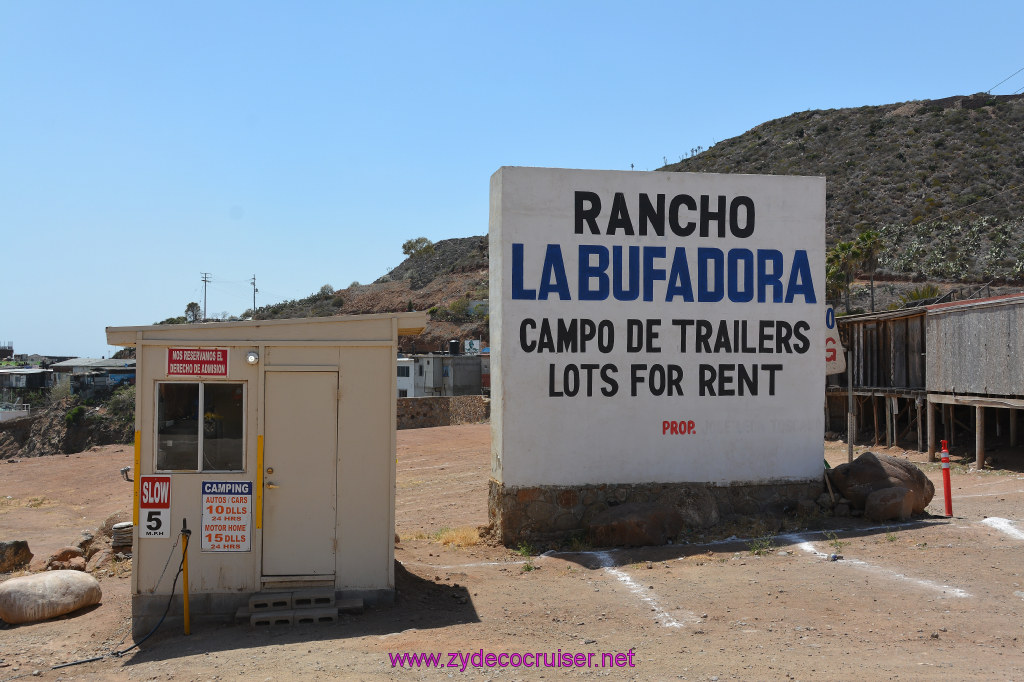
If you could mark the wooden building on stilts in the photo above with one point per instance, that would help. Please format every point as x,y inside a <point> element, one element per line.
<point>949,371</point>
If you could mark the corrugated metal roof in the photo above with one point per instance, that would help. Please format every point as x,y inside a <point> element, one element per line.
<point>23,370</point>
<point>886,315</point>
<point>97,363</point>
<point>1008,299</point>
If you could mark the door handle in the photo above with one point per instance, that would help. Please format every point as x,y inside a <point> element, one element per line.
<point>273,485</point>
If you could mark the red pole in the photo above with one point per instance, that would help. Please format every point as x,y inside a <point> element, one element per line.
<point>945,479</point>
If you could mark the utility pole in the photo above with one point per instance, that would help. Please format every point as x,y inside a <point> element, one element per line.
<point>206,280</point>
<point>254,292</point>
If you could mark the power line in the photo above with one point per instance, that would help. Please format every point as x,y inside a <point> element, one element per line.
<point>1004,80</point>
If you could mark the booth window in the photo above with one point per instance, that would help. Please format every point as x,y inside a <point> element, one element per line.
<point>403,371</point>
<point>196,419</point>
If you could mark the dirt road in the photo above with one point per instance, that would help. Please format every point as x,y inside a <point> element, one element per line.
<point>933,599</point>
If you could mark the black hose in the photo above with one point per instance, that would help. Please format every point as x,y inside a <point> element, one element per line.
<point>161,621</point>
<point>118,654</point>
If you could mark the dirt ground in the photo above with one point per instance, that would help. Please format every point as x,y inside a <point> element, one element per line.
<point>935,598</point>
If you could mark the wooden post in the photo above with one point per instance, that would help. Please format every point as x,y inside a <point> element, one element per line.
<point>849,406</point>
<point>1013,427</point>
<point>888,422</point>
<point>920,439</point>
<point>874,412</point>
<point>952,424</point>
<point>945,423</point>
<point>979,437</point>
<point>931,430</point>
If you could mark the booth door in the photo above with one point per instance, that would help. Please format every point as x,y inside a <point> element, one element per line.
<point>300,454</point>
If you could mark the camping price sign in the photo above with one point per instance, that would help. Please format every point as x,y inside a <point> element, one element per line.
<point>227,516</point>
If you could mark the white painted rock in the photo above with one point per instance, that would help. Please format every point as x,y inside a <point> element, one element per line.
<point>47,595</point>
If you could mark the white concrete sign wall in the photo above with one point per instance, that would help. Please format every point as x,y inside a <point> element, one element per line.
<point>656,327</point>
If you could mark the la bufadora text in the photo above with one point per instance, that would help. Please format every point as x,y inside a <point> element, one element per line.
<point>632,272</point>
<point>654,273</point>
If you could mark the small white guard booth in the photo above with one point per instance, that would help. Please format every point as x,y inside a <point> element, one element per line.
<point>274,441</point>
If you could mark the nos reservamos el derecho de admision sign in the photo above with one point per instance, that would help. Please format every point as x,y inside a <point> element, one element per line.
<point>656,327</point>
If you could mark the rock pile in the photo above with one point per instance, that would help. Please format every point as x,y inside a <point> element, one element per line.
<point>880,487</point>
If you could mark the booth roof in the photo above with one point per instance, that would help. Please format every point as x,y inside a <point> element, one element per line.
<point>409,324</point>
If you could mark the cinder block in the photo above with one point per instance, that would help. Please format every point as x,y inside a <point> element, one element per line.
<point>272,618</point>
<point>353,605</point>
<point>316,616</point>
<point>270,601</point>
<point>313,598</point>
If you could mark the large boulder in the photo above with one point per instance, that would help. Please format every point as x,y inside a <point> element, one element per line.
<point>14,554</point>
<point>871,472</point>
<point>635,524</point>
<point>47,595</point>
<point>889,504</point>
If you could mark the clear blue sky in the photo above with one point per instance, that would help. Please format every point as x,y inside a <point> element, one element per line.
<point>142,143</point>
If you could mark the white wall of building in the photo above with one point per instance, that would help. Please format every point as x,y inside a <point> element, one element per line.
<point>404,379</point>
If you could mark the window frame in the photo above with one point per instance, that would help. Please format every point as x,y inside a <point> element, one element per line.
<point>199,425</point>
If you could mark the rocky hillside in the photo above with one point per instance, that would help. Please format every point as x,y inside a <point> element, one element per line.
<point>442,279</point>
<point>65,427</point>
<point>940,179</point>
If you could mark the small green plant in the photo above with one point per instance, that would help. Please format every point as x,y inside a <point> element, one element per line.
<point>525,549</point>
<point>890,536</point>
<point>74,415</point>
<point>835,542</point>
<point>122,404</point>
<point>420,246</point>
<point>761,545</point>
<point>579,543</point>
<point>437,535</point>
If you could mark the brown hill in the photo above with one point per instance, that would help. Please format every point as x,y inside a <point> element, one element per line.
<point>442,280</point>
<point>938,179</point>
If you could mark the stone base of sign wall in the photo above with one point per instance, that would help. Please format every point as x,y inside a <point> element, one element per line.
<point>531,513</point>
<point>425,412</point>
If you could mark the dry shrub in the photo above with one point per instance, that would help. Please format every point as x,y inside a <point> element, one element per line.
<point>463,536</point>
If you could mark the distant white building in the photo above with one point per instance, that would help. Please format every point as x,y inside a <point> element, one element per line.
<point>436,374</point>
<point>404,379</point>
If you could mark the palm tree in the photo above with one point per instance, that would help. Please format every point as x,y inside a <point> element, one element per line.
<point>842,262</point>
<point>868,245</point>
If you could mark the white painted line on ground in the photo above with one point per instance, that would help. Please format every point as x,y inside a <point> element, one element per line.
<point>477,565</point>
<point>1004,526</point>
<point>662,617</point>
<point>806,546</point>
<point>1008,492</point>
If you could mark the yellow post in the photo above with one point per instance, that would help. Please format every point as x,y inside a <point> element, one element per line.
<point>259,482</point>
<point>184,562</point>
<point>137,481</point>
